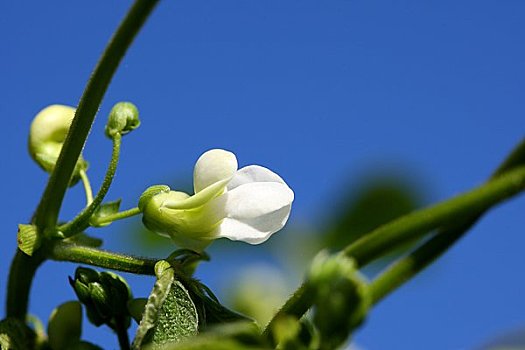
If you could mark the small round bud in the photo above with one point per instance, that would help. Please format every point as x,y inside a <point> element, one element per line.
<point>123,118</point>
<point>341,296</point>
<point>47,134</point>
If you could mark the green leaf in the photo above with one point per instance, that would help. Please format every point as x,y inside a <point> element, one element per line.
<point>378,201</point>
<point>15,335</point>
<point>29,240</point>
<point>65,325</point>
<point>169,315</point>
<point>104,210</point>
<point>136,308</point>
<point>231,336</point>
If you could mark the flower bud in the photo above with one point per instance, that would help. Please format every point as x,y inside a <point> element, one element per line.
<point>341,296</point>
<point>105,296</point>
<point>47,134</point>
<point>123,118</point>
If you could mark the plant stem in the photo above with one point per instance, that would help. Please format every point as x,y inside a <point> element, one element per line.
<point>81,221</point>
<point>24,267</point>
<point>61,251</point>
<point>404,269</point>
<point>389,236</point>
<point>118,216</point>
<point>21,273</point>
<point>123,337</point>
<point>415,225</point>
<point>87,186</point>
<point>49,207</point>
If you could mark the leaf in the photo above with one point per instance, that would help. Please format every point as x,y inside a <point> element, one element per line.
<point>136,308</point>
<point>65,325</point>
<point>105,210</point>
<point>377,202</point>
<point>29,240</point>
<point>15,335</point>
<point>169,315</point>
<point>232,336</point>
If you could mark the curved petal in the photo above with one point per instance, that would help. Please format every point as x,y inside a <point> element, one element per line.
<point>253,211</point>
<point>253,173</point>
<point>213,166</point>
<point>197,199</point>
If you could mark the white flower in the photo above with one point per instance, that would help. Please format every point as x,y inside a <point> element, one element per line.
<point>249,204</point>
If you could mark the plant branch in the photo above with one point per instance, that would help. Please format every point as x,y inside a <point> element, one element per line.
<point>87,186</point>
<point>49,207</point>
<point>61,251</point>
<point>81,221</point>
<point>118,216</point>
<point>389,236</point>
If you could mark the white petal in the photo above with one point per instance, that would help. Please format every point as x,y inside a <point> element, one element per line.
<point>253,173</point>
<point>213,166</point>
<point>253,211</point>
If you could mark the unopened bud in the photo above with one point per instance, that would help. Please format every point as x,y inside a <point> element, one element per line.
<point>123,118</point>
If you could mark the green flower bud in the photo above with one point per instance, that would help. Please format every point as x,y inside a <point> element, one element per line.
<point>341,297</point>
<point>123,118</point>
<point>105,296</point>
<point>47,134</point>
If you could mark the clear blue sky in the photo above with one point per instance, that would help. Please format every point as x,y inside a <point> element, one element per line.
<point>320,92</point>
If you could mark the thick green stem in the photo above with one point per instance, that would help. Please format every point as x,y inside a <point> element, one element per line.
<point>61,251</point>
<point>123,337</point>
<point>23,267</point>
<point>417,224</point>
<point>406,268</point>
<point>81,221</point>
<point>118,216</point>
<point>49,207</point>
<point>21,273</point>
<point>87,186</point>
<point>390,236</point>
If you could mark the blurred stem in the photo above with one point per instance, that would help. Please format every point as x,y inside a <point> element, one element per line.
<point>61,251</point>
<point>123,337</point>
<point>406,268</point>
<point>390,236</point>
<point>87,186</point>
<point>21,273</point>
<point>81,221</point>
<point>118,216</point>
<point>23,267</point>
<point>49,207</point>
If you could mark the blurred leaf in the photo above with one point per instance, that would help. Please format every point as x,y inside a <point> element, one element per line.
<point>65,325</point>
<point>104,210</point>
<point>136,308</point>
<point>15,335</point>
<point>377,202</point>
<point>84,345</point>
<point>169,314</point>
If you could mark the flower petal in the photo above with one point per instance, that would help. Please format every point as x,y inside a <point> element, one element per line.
<point>253,173</point>
<point>253,211</point>
<point>213,166</point>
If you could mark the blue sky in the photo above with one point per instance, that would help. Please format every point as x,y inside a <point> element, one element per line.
<point>322,92</point>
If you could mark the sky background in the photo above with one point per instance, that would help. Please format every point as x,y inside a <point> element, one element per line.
<point>322,92</point>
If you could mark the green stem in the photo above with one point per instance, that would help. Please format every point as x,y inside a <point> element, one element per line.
<point>87,186</point>
<point>118,216</point>
<point>123,337</point>
<point>406,268</point>
<point>81,221</point>
<point>23,267</point>
<point>415,225</point>
<point>49,207</point>
<point>61,251</point>
<point>21,273</point>
<point>390,236</point>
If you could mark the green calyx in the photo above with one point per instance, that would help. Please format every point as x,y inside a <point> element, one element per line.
<point>151,192</point>
<point>123,118</point>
